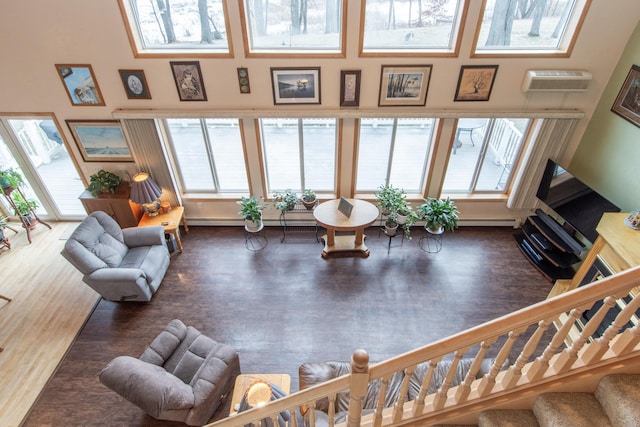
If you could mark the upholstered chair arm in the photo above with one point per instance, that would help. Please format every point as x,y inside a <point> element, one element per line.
<point>130,275</point>
<point>144,236</point>
<point>149,386</point>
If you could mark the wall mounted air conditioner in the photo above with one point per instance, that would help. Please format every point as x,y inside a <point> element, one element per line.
<point>556,81</point>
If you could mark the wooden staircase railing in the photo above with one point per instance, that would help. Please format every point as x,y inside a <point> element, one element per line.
<point>527,353</point>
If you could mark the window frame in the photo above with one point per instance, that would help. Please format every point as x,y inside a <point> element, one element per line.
<point>564,50</point>
<point>454,51</point>
<point>251,52</point>
<point>140,51</point>
<point>176,170</point>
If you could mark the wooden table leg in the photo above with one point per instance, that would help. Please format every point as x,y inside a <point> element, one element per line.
<point>5,298</point>
<point>176,233</point>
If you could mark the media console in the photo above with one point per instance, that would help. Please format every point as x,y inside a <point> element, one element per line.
<point>548,246</point>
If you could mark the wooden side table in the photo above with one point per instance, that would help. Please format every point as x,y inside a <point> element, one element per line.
<point>243,381</point>
<point>170,220</point>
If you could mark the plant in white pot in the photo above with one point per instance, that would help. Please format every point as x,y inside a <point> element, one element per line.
<point>251,212</point>
<point>439,215</point>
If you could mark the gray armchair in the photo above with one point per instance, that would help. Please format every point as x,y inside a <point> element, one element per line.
<point>120,264</point>
<point>182,375</point>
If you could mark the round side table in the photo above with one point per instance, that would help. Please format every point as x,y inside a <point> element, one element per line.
<point>431,242</point>
<point>255,240</point>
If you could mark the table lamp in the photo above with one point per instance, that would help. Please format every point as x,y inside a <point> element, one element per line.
<point>258,394</point>
<point>145,192</point>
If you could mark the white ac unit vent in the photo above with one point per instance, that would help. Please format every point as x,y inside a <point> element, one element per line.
<point>556,81</point>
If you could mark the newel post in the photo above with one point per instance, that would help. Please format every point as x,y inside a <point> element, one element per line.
<point>359,386</point>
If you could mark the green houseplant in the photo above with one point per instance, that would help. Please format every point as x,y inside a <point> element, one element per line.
<point>286,200</point>
<point>308,198</point>
<point>251,212</point>
<point>390,198</point>
<point>23,208</point>
<point>439,214</point>
<point>103,182</point>
<point>10,178</point>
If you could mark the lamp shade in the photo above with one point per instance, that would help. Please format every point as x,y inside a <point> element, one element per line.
<point>144,189</point>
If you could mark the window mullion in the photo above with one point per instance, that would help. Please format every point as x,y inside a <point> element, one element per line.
<point>483,154</point>
<point>207,145</point>
<point>301,151</point>
<point>391,150</point>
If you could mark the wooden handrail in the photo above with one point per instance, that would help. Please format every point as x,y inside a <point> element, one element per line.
<point>541,315</point>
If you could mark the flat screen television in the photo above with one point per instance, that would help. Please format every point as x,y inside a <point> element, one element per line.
<point>574,201</point>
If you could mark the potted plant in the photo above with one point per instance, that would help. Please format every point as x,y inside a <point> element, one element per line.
<point>391,224</point>
<point>23,208</point>
<point>251,212</point>
<point>10,178</point>
<point>411,217</point>
<point>389,198</point>
<point>439,215</point>
<point>308,198</point>
<point>3,223</point>
<point>103,182</point>
<point>286,200</point>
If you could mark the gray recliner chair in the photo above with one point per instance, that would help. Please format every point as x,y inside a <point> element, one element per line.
<point>120,264</point>
<point>182,375</point>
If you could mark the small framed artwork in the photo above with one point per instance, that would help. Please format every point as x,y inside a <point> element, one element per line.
<point>345,207</point>
<point>296,85</point>
<point>404,85</point>
<point>475,82</point>
<point>80,84</point>
<point>135,84</point>
<point>243,80</point>
<point>627,103</point>
<point>188,78</point>
<point>100,140</point>
<point>350,88</point>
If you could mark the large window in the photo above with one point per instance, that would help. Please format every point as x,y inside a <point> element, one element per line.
<point>164,27</point>
<point>299,154</point>
<point>294,26</point>
<point>529,26</point>
<point>483,155</point>
<point>423,26</point>
<point>393,152</point>
<point>208,154</point>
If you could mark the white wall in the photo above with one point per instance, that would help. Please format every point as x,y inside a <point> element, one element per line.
<point>36,34</point>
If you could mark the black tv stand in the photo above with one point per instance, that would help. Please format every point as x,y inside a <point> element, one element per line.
<point>548,246</point>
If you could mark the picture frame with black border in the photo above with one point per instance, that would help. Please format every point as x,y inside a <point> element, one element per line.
<point>189,82</point>
<point>350,88</point>
<point>295,85</point>
<point>404,85</point>
<point>475,82</point>
<point>135,84</point>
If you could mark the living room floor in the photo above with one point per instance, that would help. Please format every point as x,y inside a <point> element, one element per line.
<point>285,305</point>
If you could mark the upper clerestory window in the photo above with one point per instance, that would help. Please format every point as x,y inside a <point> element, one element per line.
<point>410,28</point>
<point>529,27</point>
<point>169,28</point>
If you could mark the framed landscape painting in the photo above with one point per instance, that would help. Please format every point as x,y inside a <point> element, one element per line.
<point>404,85</point>
<point>296,85</point>
<point>100,140</point>
<point>627,103</point>
<point>475,82</point>
<point>80,84</point>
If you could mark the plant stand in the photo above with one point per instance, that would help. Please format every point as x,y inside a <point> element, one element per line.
<point>27,226</point>
<point>255,240</point>
<point>391,237</point>
<point>299,208</point>
<point>432,241</point>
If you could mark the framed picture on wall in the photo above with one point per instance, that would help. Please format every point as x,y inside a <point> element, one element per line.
<point>80,84</point>
<point>188,78</point>
<point>404,85</point>
<point>627,103</point>
<point>135,84</point>
<point>296,85</point>
<point>100,140</point>
<point>475,82</point>
<point>350,88</point>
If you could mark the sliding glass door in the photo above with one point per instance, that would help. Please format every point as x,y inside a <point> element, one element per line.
<point>33,146</point>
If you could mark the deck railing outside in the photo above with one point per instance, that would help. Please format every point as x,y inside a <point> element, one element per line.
<point>529,348</point>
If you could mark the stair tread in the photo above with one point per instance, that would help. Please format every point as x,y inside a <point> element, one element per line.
<point>569,410</point>
<point>619,396</point>
<point>507,418</point>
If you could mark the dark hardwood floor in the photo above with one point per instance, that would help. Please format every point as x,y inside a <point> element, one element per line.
<point>286,305</point>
